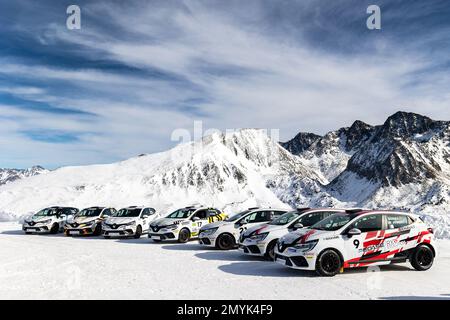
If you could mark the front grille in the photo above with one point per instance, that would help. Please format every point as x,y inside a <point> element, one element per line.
<point>155,228</point>
<point>113,226</point>
<point>299,261</point>
<point>254,249</point>
<point>205,241</point>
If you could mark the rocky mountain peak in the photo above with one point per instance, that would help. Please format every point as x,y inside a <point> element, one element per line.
<point>300,142</point>
<point>406,124</point>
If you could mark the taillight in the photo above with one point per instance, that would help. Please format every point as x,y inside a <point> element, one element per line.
<point>430,230</point>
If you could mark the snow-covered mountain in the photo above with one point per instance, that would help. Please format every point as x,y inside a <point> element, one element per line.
<point>403,163</point>
<point>229,171</point>
<point>9,175</point>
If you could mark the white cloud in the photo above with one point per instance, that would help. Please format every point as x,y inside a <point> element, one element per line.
<point>241,76</point>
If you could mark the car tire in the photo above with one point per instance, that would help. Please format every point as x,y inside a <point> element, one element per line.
<point>138,232</point>
<point>98,230</point>
<point>54,229</point>
<point>328,263</point>
<point>422,258</point>
<point>107,237</point>
<point>28,232</point>
<point>225,242</point>
<point>270,252</point>
<point>156,240</point>
<point>184,235</point>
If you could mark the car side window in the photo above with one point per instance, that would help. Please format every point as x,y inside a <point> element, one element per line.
<point>310,218</point>
<point>395,221</point>
<point>373,222</point>
<point>202,214</point>
<point>106,213</point>
<point>260,216</point>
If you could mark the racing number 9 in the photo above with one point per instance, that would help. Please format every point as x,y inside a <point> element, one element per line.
<point>356,243</point>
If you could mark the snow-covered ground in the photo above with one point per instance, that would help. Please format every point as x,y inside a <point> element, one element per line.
<point>56,267</point>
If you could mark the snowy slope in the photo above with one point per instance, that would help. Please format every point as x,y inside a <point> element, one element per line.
<point>58,267</point>
<point>229,171</point>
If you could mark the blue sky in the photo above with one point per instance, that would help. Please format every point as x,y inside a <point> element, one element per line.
<point>138,70</point>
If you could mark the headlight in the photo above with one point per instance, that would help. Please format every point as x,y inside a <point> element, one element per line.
<point>307,246</point>
<point>45,221</point>
<point>259,237</point>
<point>130,223</point>
<point>208,232</point>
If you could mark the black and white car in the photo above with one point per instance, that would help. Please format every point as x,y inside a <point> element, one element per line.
<point>225,234</point>
<point>129,222</point>
<point>48,220</point>
<point>88,221</point>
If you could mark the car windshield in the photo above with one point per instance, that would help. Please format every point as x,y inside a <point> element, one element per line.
<point>48,212</point>
<point>90,212</point>
<point>285,218</point>
<point>181,213</point>
<point>238,215</point>
<point>333,222</point>
<point>127,213</point>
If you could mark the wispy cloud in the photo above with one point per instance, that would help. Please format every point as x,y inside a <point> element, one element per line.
<point>137,71</point>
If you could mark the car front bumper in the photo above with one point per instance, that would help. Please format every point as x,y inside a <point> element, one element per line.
<point>296,260</point>
<point>252,247</point>
<point>121,231</point>
<point>37,228</point>
<point>163,235</point>
<point>79,231</point>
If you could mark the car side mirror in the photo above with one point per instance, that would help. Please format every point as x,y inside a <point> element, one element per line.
<point>195,219</point>
<point>145,216</point>
<point>298,226</point>
<point>353,232</point>
<point>243,222</point>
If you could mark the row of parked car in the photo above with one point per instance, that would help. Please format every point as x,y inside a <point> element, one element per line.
<point>322,239</point>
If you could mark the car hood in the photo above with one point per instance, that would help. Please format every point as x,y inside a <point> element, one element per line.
<point>166,222</point>
<point>84,219</point>
<point>216,224</point>
<point>304,235</point>
<point>264,228</point>
<point>120,220</point>
<point>38,218</point>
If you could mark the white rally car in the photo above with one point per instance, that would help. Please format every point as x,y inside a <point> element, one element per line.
<point>48,220</point>
<point>261,240</point>
<point>184,224</point>
<point>129,222</point>
<point>225,234</point>
<point>359,239</point>
<point>88,221</point>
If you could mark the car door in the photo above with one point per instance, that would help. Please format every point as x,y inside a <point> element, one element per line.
<point>201,218</point>
<point>398,228</point>
<point>364,249</point>
<point>145,216</point>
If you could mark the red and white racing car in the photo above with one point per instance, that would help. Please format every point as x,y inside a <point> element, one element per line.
<point>358,238</point>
